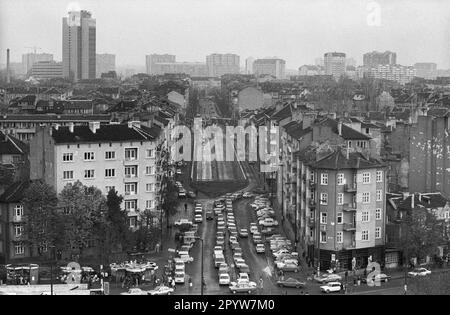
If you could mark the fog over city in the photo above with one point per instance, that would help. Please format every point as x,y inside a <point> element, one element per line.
<point>296,30</point>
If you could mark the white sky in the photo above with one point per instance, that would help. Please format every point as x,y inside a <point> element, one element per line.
<point>296,30</point>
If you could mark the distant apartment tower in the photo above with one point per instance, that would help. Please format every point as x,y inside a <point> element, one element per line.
<point>28,60</point>
<point>375,58</point>
<point>46,70</point>
<point>334,64</point>
<point>79,45</point>
<point>271,66</point>
<point>398,73</point>
<point>153,59</point>
<point>220,64</point>
<point>105,63</point>
<point>249,65</point>
<point>426,70</point>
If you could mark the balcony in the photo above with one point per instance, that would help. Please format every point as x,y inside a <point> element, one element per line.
<point>349,227</point>
<point>311,222</point>
<point>350,246</point>
<point>17,219</point>
<point>350,188</point>
<point>349,207</point>
<point>312,203</point>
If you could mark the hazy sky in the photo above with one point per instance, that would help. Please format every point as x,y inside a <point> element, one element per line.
<point>296,30</point>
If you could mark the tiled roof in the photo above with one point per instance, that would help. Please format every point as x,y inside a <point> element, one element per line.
<point>11,145</point>
<point>283,113</point>
<point>348,133</point>
<point>429,201</point>
<point>14,193</point>
<point>338,160</point>
<point>106,133</point>
<point>438,112</point>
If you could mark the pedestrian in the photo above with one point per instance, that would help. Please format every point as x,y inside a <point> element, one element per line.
<point>190,282</point>
<point>185,207</point>
<point>173,284</point>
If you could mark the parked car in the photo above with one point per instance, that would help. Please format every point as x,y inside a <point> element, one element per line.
<point>209,215</point>
<point>187,258</point>
<point>244,268</point>
<point>419,272</point>
<point>180,277</point>
<point>223,268</point>
<point>267,222</point>
<point>287,267</point>
<point>183,222</point>
<point>325,278</point>
<point>224,279</point>
<point>198,218</point>
<point>161,290</point>
<point>249,287</point>
<point>291,283</point>
<point>243,233</point>
<point>260,249</point>
<point>135,291</point>
<point>191,194</point>
<point>219,260</point>
<point>331,287</point>
<point>380,277</point>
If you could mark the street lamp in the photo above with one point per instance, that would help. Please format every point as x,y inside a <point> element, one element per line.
<point>202,280</point>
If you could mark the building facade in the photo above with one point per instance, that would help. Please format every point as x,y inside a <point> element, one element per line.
<point>426,70</point>
<point>28,60</point>
<point>375,58</point>
<point>249,65</point>
<point>398,73</point>
<point>271,66</point>
<point>220,64</point>
<point>105,63</point>
<point>79,45</point>
<point>153,59</point>
<point>46,70</point>
<point>335,64</point>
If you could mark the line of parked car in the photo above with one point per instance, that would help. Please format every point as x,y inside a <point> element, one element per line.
<point>182,192</point>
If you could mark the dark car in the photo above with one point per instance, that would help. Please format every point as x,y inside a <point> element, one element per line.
<point>209,215</point>
<point>381,277</point>
<point>291,283</point>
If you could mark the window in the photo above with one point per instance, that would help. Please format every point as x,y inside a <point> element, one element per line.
<point>349,144</point>
<point>365,235</point>
<point>109,188</point>
<point>150,187</point>
<point>67,157</point>
<point>366,197</point>
<point>378,214</point>
<point>340,198</point>
<point>379,195</point>
<point>130,189</point>
<point>68,175</point>
<point>19,249</point>
<point>323,237</point>
<point>133,222</point>
<point>110,155</point>
<point>18,211</point>
<point>379,176</point>
<point>365,216</point>
<point>447,215</point>
<point>323,218</point>
<point>150,153</point>
<point>149,170</point>
<point>110,172</point>
<point>18,230</point>
<point>324,179</point>
<point>340,218</point>
<point>323,198</point>
<point>88,156</point>
<point>131,171</point>
<point>149,204</point>
<point>89,173</point>
<point>340,179</point>
<point>378,232</point>
<point>311,177</point>
<point>339,238</point>
<point>130,205</point>
<point>366,178</point>
<point>131,154</point>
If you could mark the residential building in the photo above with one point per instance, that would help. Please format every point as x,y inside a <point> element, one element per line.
<point>28,60</point>
<point>79,45</point>
<point>270,66</point>
<point>220,64</point>
<point>105,63</point>
<point>14,165</point>
<point>375,58</point>
<point>189,68</point>
<point>249,65</point>
<point>398,73</point>
<point>119,156</point>
<point>46,70</point>
<point>426,70</point>
<point>340,196</point>
<point>153,59</point>
<point>334,64</point>
<point>310,70</point>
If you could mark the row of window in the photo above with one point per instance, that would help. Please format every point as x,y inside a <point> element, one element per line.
<point>130,154</point>
<point>341,178</point>
<point>340,236</point>
<point>130,171</point>
<point>340,197</point>
<point>365,217</point>
<point>131,205</point>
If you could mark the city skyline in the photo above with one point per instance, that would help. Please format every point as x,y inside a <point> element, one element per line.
<point>294,30</point>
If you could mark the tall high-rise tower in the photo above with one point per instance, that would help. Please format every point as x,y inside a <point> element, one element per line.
<point>79,45</point>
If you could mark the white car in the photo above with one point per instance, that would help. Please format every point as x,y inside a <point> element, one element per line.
<point>247,195</point>
<point>421,272</point>
<point>186,258</point>
<point>224,279</point>
<point>239,262</point>
<point>260,249</point>
<point>243,277</point>
<point>161,290</point>
<point>253,229</point>
<point>183,222</point>
<point>268,222</point>
<point>331,287</point>
<point>198,218</point>
<point>281,252</point>
<point>179,277</point>
<point>135,291</point>
<point>179,265</point>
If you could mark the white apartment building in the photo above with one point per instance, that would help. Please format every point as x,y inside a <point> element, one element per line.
<point>398,73</point>
<point>111,156</point>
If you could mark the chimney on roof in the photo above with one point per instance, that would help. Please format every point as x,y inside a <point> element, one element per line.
<point>94,126</point>
<point>8,78</point>
<point>71,127</point>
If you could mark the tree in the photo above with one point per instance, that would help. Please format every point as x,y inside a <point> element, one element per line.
<point>43,225</point>
<point>84,210</point>
<point>421,234</point>
<point>147,235</point>
<point>170,203</point>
